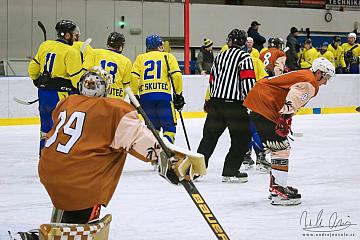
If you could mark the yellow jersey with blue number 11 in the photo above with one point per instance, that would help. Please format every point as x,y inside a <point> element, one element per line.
<point>150,76</point>
<point>116,64</point>
<point>59,59</point>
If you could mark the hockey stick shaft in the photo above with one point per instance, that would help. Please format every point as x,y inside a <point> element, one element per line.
<point>25,102</point>
<point>41,25</point>
<point>181,117</point>
<point>138,107</point>
<point>188,185</point>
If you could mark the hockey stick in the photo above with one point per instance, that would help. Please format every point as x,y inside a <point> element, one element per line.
<point>83,47</point>
<point>357,109</point>
<point>174,93</point>
<point>24,102</point>
<point>85,44</point>
<point>188,185</point>
<point>42,29</point>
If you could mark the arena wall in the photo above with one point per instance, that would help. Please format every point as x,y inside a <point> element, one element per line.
<point>340,95</point>
<point>20,36</point>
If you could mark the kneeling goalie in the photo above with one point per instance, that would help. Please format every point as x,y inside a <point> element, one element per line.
<point>85,151</point>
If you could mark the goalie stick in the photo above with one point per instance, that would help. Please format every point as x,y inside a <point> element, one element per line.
<point>174,93</point>
<point>83,47</point>
<point>188,185</point>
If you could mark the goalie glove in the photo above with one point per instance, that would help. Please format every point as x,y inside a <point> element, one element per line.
<point>184,165</point>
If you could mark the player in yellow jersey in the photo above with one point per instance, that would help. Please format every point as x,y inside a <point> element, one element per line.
<point>150,80</point>
<point>254,53</point>
<point>338,52</point>
<point>78,44</point>
<point>308,55</point>
<point>324,52</point>
<point>113,62</point>
<point>351,54</point>
<point>55,71</point>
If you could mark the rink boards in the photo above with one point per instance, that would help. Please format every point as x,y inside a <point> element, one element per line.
<point>341,95</point>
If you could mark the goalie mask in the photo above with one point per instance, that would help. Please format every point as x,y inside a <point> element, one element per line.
<point>95,83</point>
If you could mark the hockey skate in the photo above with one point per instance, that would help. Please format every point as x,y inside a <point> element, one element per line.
<point>262,164</point>
<point>239,177</point>
<point>29,235</point>
<point>284,196</point>
<point>295,190</point>
<point>248,162</point>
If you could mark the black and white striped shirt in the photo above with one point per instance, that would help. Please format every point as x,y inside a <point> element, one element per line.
<point>232,75</point>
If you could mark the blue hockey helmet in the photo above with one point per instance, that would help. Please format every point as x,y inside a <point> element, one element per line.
<point>153,41</point>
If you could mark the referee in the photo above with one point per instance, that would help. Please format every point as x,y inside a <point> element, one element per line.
<point>231,78</point>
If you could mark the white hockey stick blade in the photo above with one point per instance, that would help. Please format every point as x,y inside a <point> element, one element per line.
<point>24,102</point>
<point>298,134</point>
<point>286,49</point>
<point>85,44</point>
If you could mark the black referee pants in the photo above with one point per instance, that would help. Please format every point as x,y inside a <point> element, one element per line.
<point>224,114</point>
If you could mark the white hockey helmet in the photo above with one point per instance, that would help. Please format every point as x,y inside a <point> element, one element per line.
<point>353,35</point>
<point>95,83</point>
<point>325,66</point>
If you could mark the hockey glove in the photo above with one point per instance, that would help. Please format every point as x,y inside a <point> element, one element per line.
<point>283,125</point>
<point>179,102</point>
<point>184,165</point>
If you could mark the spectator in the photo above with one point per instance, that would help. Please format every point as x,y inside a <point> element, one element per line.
<point>292,60</point>
<point>254,53</point>
<point>253,32</point>
<point>338,52</point>
<point>266,48</point>
<point>205,57</point>
<point>351,54</point>
<point>308,55</point>
<point>324,52</point>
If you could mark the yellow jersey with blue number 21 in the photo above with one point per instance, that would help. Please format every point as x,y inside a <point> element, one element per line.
<point>150,77</point>
<point>116,64</point>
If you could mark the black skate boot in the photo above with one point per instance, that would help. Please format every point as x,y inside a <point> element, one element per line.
<point>29,235</point>
<point>262,164</point>
<point>248,162</point>
<point>238,177</point>
<point>283,196</point>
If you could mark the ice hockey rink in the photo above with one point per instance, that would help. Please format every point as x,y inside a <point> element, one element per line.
<point>324,165</point>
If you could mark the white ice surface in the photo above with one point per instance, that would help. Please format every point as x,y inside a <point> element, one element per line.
<point>324,165</point>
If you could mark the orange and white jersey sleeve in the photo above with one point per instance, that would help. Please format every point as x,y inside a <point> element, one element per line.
<point>280,65</point>
<point>299,94</point>
<point>135,138</point>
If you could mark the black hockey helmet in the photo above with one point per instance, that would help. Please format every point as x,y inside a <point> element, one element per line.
<point>276,42</point>
<point>237,37</point>
<point>64,26</point>
<point>116,40</point>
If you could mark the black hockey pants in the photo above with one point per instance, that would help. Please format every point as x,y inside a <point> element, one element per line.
<point>224,114</point>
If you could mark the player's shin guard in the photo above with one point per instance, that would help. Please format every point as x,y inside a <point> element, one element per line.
<point>280,193</point>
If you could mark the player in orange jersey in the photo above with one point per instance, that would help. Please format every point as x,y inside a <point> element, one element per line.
<point>274,57</point>
<point>85,152</point>
<point>273,101</point>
